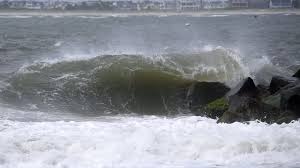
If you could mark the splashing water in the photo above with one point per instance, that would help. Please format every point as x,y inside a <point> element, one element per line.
<point>148,142</point>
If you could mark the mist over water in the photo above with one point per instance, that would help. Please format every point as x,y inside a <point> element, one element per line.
<point>72,90</point>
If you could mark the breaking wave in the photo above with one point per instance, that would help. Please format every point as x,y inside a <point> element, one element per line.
<point>111,84</point>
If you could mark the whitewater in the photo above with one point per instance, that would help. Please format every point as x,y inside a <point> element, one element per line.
<point>148,141</point>
<point>74,96</point>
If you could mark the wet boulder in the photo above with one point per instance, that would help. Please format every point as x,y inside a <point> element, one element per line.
<point>272,100</point>
<point>290,100</point>
<point>216,108</point>
<point>244,88</point>
<point>286,117</point>
<point>245,105</point>
<point>279,82</point>
<point>263,91</point>
<point>289,103</point>
<point>243,109</point>
<point>297,74</point>
<point>202,93</point>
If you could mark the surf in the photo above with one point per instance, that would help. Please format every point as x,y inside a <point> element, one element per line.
<point>112,84</point>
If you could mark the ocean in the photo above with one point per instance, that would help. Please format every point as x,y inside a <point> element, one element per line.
<point>100,91</point>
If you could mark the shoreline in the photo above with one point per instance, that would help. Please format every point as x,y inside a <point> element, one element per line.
<point>149,13</point>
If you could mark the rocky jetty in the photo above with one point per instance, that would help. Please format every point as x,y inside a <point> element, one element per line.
<point>297,74</point>
<point>277,103</point>
<point>278,82</point>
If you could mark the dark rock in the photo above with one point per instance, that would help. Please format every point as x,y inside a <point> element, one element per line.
<point>202,93</point>
<point>248,102</point>
<point>279,82</point>
<point>231,117</point>
<point>214,109</point>
<point>263,91</point>
<point>244,88</point>
<point>290,100</point>
<point>272,100</point>
<point>286,117</point>
<point>245,105</point>
<point>289,86</point>
<point>297,74</point>
<point>243,109</point>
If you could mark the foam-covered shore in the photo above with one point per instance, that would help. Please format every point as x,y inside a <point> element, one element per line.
<point>148,13</point>
<point>148,142</point>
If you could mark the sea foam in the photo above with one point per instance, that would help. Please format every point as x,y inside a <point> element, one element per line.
<point>185,141</point>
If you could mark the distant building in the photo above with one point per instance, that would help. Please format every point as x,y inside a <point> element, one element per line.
<point>4,4</point>
<point>260,4</point>
<point>149,5</point>
<point>125,5</point>
<point>281,3</point>
<point>33,5</point>
<point>17,4</point>
<point>168,6</point>
<point>92,3</point>
<point>215,4</point>
<point>296,3</point>
<point>239,3</point>
<point>140,5</point>
<point>189,5</point>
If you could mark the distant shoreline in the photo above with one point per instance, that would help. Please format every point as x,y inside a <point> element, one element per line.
<point>151,13</point>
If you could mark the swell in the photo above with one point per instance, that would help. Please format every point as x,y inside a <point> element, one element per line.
<point>113,84</point>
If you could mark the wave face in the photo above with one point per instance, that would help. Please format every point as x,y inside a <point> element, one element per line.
<point>112,84</point>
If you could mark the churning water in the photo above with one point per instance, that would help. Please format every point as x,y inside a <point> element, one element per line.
<point>102,91</point>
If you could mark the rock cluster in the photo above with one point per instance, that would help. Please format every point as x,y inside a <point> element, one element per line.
<point>277,103</point>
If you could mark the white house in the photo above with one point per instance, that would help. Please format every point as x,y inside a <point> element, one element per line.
<point>239,3</point>
<point>168,5</point>
<point>281,3</point>
<point>215,4</point>
<point>189,5</point>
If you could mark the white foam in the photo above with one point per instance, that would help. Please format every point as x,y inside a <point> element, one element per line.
<point>217,63</point>
<point>208,48</point>
<point>187,24</point>
<point>92,17</point>
<point>68,58</point>
<point>57,16</point>
<point>148,142</point>
<point>218,15</point>
<point>58,44</point>
<point>16,16</point>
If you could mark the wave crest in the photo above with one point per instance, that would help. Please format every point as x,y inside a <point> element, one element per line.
<point>113,83</point>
